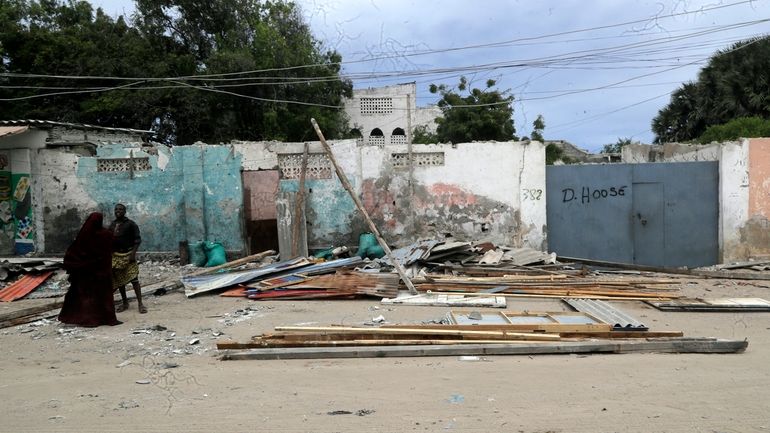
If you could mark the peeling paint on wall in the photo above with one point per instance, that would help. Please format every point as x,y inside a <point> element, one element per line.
<point>755,236</point>
<point>197,196</point>
<point>471,191</point>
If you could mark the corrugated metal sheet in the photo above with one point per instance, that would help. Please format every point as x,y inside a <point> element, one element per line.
<point>48,123</point>
<point>528,256</point>
<point>205,283</point>
<point>605,312</point>
<point>22,286</point>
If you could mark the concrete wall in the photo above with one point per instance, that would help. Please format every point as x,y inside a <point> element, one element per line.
<point>189,193</point>
<point>485,190</point>
<point>669,152</point>
<point>755,234</point>
<point>403,114</point>
<point>744,176</point>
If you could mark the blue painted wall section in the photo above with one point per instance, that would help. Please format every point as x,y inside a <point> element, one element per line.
<point>194,194</point>
<point>329,210</point>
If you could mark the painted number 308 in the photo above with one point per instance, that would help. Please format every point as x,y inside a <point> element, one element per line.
<point>533,194</point>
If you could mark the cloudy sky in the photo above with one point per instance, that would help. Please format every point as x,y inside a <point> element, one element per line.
<point>597,70</point>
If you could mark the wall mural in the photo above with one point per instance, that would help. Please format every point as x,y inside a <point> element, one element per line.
<point>7,225</point>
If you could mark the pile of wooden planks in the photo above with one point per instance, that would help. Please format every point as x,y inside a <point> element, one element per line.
<point>552,286</point>
<point>340,285</point>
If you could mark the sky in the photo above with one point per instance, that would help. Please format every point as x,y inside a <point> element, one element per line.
<point>596,70</point>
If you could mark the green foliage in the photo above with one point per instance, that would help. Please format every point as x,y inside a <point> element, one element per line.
<point>421,135</point>
<point>538,125</point>
<point>553,153</point>
<point>480,115</point>
<point>742,127</point>
<point>617,147</point>
<point>735,83</point>
<point>174,38</point>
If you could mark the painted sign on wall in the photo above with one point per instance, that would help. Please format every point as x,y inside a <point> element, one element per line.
<point>21,198</point>
<point>7,225</point>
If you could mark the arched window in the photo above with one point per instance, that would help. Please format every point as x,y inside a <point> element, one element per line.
<point>376,137</point>
<point>398,136</point>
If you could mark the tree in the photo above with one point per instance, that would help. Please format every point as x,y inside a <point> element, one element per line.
<point>742,127</point>
<point>480,115</point>
<point>617,147</point>
<point>538,125</point>
<point>210,71</point>
<point>733,84</point>
<point>421,135</point>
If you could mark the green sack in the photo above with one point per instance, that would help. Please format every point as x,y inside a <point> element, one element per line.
<point>215,254</point>
<point>365,241</point>
<point>197,253</point>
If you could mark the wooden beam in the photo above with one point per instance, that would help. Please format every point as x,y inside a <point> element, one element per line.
<point>229,345</point>
<point>420,331</point>
<point>349,188</point>
<point>664,345</point>
<point>299,208</point>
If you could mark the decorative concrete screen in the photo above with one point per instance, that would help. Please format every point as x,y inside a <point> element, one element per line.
<point>123,164</point>
<point>376,106</point>
<point>318,166</point>
<point>419,159</point>
<point>398,139</point>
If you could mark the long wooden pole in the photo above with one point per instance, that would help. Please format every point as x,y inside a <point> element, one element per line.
<point>346,184</point>
<point>299,207</point>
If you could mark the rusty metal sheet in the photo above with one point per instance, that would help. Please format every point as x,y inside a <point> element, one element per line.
<point>23,286</point>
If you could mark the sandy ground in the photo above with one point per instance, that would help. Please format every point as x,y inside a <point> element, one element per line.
<point>139,377</point>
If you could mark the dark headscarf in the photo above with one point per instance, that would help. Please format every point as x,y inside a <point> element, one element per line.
<point>92,247</point>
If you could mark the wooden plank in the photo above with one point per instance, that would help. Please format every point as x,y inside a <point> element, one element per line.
<point>748,305</point>
<point>665,345</point>
<point>29,318</point>
<point>360,343</point>
<point>30,311</point>
<point>441,300</point>
<point>346,184</point>
<point>299,209</point>
<point>420,331</point>
<point>578,332</point>
<point>556,328</point>
<point>557,296</point>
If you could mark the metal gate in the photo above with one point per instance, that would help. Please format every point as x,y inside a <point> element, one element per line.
<point>657,214</point>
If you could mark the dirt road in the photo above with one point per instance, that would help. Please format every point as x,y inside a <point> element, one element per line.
<point>159,372</point>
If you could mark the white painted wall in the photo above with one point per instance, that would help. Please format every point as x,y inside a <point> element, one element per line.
<point>55,189</point>
<point>405,115</point>
<point>734,198</point>
<point>509,173</point>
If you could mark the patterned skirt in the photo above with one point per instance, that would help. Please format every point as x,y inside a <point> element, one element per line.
<point>124,271</point>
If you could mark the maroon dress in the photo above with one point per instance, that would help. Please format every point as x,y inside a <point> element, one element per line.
<point>88,261</point>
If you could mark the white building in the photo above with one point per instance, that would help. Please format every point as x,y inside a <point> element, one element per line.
<point>388,115</point>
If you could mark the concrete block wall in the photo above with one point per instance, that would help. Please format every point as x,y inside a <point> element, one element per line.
<point>479,191</point>
<point>189,193</point>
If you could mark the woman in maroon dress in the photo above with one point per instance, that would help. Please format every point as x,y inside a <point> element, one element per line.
<point>88,261</point>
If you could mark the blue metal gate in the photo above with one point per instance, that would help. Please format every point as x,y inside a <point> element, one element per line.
<point>657,214</point>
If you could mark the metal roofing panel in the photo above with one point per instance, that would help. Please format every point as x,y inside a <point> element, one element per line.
<point>43,123</point>
<point>607,314</point>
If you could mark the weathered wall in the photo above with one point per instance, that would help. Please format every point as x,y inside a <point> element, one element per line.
<point>485,190</point>
<point>260,188</point>
<point>402,112</point>
<point>741,201</point>
<point>190,192</point>
<point>755,234</point>
<point>669,152</point>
